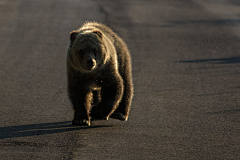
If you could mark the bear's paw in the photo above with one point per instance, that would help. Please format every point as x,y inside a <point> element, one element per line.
<point>80,122</point>
<point>118,116</point>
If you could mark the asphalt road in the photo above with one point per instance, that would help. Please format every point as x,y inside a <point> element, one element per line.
<point>186,60</point>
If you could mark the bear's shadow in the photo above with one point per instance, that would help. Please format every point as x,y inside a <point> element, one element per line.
<point>41,129</point>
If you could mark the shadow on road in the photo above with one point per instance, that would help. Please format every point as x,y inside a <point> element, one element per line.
<point>215,61</point>
<point>219,22</point>
<point>224,112</point>
<point>41,129</point>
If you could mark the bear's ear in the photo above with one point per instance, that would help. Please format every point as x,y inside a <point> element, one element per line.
<point>98,32</point>
<point>73,35</point>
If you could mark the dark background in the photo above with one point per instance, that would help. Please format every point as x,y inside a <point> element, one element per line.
<point>186,59</point>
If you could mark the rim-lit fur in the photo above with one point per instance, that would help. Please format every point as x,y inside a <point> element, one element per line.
<point>99,74</point>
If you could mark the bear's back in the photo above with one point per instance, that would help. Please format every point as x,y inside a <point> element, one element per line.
<point>106,30</point>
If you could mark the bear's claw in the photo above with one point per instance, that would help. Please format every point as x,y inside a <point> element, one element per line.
<point>81,122</point>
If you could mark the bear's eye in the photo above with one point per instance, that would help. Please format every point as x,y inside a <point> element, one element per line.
<point>80,53</point>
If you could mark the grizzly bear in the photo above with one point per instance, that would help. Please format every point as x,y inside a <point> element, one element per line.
<point>99,74</point>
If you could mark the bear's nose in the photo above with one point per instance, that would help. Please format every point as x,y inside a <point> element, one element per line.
<point>91,63</point>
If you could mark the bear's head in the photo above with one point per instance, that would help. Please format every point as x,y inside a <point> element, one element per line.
<point>87,50</point>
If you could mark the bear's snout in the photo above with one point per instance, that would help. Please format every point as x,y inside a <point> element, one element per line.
<point>91,64</point>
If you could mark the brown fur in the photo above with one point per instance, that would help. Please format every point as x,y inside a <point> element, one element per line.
<point>99,74</point>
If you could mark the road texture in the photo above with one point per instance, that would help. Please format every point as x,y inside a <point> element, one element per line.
<point>186,60</point>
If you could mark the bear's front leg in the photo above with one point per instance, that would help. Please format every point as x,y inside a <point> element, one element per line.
<point>122,112</point>
<point>81,99</point>
<point>111,92</point>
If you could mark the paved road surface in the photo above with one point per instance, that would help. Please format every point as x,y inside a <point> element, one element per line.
<point>186,66</point>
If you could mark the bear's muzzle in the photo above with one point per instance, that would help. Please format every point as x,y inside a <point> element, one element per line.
<point>91,64</point>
